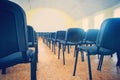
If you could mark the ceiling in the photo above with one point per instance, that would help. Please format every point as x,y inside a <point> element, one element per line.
<point>74,8</point>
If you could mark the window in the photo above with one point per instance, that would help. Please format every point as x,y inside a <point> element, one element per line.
<point>85,24</point>
<point>116,12</point>
<point>98,20</point>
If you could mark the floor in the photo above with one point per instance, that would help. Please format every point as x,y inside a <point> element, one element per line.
<point>50,68</point>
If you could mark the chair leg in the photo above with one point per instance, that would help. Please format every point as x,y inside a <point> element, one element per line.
<point>65,47</point>
<point>54,47</point>
<point>89,67</point>
<point>100,63</point>
<point>49,44</point>
<point>36,49</point>
<point>36,60</point>
<point>98,56</point>
<point>33,68</point>
<point>82,56</point>
<point>59,47</point>
<point>75,50</point>
<point>63,55</point>
<point>118,59</point>
<point>46,42</point>
<point>4,71</point>
<point>68,49</point>
<point>75,65</point>
<point>111,55</point>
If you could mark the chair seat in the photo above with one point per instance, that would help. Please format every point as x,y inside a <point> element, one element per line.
<point>30,44</point>
<point>58,40</point>
<point>105,51</point>
<point>72,43</point>
<point>92,50</point>
<point>90,42</point>
<point>53,39</point>
<point>14,59</point>
<point>63,42</point>
<point>68,43</point>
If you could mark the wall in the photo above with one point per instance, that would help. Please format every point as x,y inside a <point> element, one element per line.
<point>108,13</point>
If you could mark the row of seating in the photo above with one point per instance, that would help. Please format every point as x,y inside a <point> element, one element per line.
<point>71,37</point>
<point>17,38</point>
<point>105,41</point>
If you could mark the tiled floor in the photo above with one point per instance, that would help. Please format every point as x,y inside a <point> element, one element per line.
<point>50,68</point>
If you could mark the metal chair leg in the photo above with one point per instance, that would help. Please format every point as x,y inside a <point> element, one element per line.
<point>75,50</point>
<point>63,55</point>
<point>75,65</point>
<point>54,48</point>
<point>33,68</point>
<point>59,47</point>
<point>4,71</point>
<point>98,56</point>
<point>89,67</point>
<point>68,49</point>
<point>100,63</point>
<point>82,56</point>
<point>111,55</point>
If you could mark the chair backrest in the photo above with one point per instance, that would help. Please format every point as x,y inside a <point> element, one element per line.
<point>46,35</point>
<point>74,35</point>
<point>60,35</point>
<point>91,35</point>
<point>49,35</point>
<point>31,36</point>
<point>35,36</point>
<point>110,34</point>
<point>13,29</point>
<point>53,35</point>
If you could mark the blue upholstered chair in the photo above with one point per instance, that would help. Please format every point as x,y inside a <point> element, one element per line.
<point>14,39</point>
<point>32,40</point>
<point>60,36</point>
<point>91,36</point>
<point>46,37</point>
<point>90,39</point>
<point>31,36</point>
<point>74,37</point>
<point>53,37</point>
<point>107,43</point>
<point>49,40</point>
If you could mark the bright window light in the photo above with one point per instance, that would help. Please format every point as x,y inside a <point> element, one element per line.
<point>85,24</point>
<point>116,12</point>
<point>98,21</point>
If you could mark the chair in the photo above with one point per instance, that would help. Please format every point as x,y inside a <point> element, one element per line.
<point>14,40</point>
<point>90,39</point>
<point>107,43</point>
<point>74,37</point>
<point>53,38</point>
<point>91,36</point>
<point>36,44</point>
<point>60,36</point>
<point>31,36</point>
<point>49,39</point>
<point>32,40</point>
<point>46,36</point>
